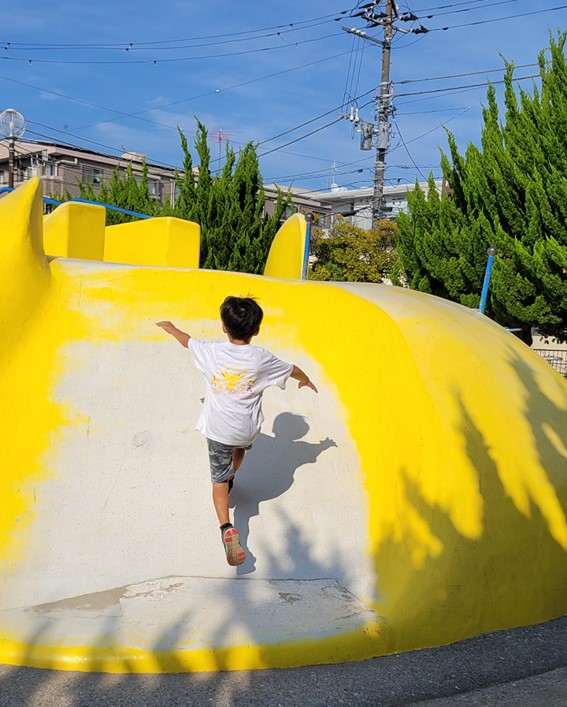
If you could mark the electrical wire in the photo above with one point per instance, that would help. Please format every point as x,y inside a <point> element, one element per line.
<point>132,47</point>
<point>448,89</point>
<point>294,26</point>
<point>466,9</point>
<point>216,91</point>
<point>155,62</point>
<point>312,120</point>
<point>302,137</point>
<point>419,137</point>
<point>407,151</point>
<point>497,19</point>
<point>170,103</point>
<point>465,73</point>
<point>60,141</point>
<point>454,4</point>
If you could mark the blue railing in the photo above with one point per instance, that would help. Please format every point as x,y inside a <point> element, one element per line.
<point>491,252</point>
<point>306,247</point>
<point>110,207</point>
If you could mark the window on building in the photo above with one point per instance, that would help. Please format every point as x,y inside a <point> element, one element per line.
<point>154,187</point>
<point>50,169</point>
<point>29,171</point>
<point>92,175</point>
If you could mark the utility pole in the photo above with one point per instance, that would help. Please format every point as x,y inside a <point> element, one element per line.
<point>380,130</point>
<point>383,113</point>
<point>12,126</point>
<point>11,162</point>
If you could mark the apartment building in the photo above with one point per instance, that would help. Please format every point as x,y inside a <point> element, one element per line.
<point>355,205</point>
<point>62,167</point>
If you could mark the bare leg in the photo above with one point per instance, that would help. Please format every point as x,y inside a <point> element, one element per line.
<point>235,555</point>
<point>220,491</point>
<point>220,501</point>
<point>237,459</point>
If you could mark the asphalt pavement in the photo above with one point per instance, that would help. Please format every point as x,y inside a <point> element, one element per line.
<point>525,667</point>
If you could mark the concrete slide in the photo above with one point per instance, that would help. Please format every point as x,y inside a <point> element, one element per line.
<point>419,499</point>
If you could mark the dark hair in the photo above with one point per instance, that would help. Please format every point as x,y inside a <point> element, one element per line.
<point>241,317</point>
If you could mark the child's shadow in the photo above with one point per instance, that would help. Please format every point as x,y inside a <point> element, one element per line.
<point>268,471</point>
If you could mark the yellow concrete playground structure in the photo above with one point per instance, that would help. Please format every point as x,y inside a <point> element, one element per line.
<point>419,499</point>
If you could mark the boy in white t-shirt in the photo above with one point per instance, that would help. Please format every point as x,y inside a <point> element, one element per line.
<point>237,374</point>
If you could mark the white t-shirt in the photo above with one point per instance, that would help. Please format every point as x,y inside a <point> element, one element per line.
<point>236,375</point>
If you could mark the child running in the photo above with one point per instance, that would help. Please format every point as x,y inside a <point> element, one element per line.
<point>237,373</point>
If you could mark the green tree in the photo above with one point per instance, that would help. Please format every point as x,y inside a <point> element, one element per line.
<point>442,253</point>
<point>511,193</point>
<point>126,191</point>
<point>236,234</point>
<point>351,254</point>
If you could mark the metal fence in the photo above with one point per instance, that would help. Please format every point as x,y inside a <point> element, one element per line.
<point>556,358</point>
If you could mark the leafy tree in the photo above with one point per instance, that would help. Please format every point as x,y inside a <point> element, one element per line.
<point>442,253</point>
<point>186,183</point>
<point>126,191</point>
<point>511,193</point>
<point>351,254</point>
<point>236,234</point>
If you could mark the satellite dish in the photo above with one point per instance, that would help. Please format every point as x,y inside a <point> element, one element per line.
<point>12,124</point>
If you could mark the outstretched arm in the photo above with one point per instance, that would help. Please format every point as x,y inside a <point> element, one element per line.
<point>303,378</point>
<point>170,328</point>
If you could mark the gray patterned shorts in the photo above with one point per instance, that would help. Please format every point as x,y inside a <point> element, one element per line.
<point>220,460</point>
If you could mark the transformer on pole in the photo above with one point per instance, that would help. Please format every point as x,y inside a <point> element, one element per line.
<point>379,132</point>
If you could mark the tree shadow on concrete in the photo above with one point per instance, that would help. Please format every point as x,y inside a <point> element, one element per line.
<point>269,471</point>
<point>471,576</point>
<point>548,427</point>
<point>489,580</point>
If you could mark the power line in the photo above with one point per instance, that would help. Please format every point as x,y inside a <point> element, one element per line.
<point>497,19</point>
<point>291,142</point>
<point>60,141</point>
<point>155,62</point>
<point>426,112</point>
<point>313,132</point>
<point>133,47</point>
<point>448,89</point>
<point>466,9</point>
<point>170,103</point>
<point>461,75</point>
<point>312,120</point>
<point>214,92</point>
<point>293,26</point>
<point>454,4</point>
<point>432,130</point>
<point>408,152</point>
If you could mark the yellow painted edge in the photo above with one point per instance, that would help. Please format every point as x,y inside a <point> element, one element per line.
<point>356,645</point>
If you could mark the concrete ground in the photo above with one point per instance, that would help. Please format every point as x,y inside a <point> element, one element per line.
<point>523,667</point>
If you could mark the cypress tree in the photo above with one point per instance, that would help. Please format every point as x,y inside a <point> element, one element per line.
<point>220,236</point>
<point>126,191</point>
<point>510,193</point>
<point>229,207</point>
<point>185,199</point>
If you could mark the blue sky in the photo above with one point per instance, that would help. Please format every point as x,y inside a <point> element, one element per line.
<point>108,76</point>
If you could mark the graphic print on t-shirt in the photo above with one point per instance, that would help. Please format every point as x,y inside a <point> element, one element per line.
<point>233,382</point>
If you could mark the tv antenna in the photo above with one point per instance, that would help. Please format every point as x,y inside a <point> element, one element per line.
<point>221,135</point>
